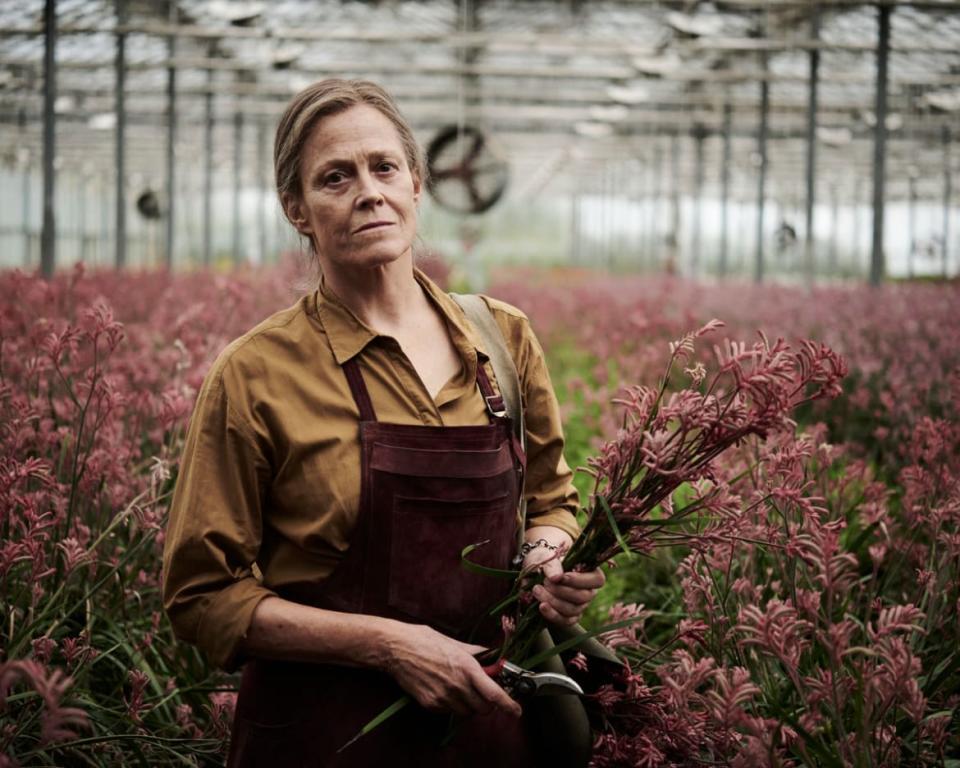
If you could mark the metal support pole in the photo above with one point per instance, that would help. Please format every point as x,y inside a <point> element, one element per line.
<point>743,226</point>
<point>880,146</point>
<point>699,135</point>
<point>613,194</point>
<point>601,258</point>
<point>237,157</point>
<point>673,241</point>
<point>575,228</point>
<point>912,224</point>
<point>947,194</point>
<point>104,185</point>
<point>762,182</point>
<point>27,235</point>
<point>608,214</point>
<point>48,237</point>
<point>262,187</point>
<point>24,157</point>
<point>120,154</point>
<point>858,195</point>
<point>208,172</point>
<point>810,242</point>
<point>171,143</point>
<point>82,185</point>
<point>834,228</point>
<point>656,238</point>
<point>645,203</point>
<point>725,187</point>
<point>469,90</point>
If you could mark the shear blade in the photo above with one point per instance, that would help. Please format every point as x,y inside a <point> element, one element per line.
<point>552,684</point>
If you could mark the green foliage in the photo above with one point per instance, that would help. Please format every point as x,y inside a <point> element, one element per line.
<point>568,362</point>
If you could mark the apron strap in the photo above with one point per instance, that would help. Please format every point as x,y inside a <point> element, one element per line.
<point>505,371</point>
<point>495,404</point>
<point>358,388</point>
<point>361,396</point>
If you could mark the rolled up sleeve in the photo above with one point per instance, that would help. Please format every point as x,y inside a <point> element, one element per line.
<point>552,498</point>
<point>215,529</point>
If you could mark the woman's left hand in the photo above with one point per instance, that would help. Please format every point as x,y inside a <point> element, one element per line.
<point>563,596</point>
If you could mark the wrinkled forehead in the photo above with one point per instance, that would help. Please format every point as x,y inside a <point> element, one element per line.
<point>356,133</point>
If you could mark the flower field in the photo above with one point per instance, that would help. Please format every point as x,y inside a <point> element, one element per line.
<point>807,613</point>
<point>804,609</point>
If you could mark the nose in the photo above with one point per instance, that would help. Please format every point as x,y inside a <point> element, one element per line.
<point>368,192</point>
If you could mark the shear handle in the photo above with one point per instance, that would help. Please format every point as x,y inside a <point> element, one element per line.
<point>515,680</point>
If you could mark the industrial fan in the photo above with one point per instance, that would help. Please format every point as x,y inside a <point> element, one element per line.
<point>148,205</point>
<point>466,172</point>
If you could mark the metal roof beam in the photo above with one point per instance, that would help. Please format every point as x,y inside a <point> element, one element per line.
<point>406,95</point>
<point>611,73</point>
<point>503,118</point>
<point>539,42</point>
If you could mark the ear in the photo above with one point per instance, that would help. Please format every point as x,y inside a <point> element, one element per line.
<point>416,188</point>
<point>293,207</point>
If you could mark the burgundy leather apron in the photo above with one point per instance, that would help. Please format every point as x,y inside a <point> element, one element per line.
<point>426,493</point>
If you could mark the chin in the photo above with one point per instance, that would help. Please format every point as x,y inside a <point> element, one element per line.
<point>381,257</point>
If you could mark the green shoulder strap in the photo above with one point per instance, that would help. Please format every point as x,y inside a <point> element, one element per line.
<point>504,370</point>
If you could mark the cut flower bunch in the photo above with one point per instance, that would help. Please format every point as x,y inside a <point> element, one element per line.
<point>666,442</point>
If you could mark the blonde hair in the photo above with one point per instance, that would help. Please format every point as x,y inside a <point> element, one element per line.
<point>322,99</point>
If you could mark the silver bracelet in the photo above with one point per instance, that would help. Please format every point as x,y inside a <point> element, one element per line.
<point>528,546</point>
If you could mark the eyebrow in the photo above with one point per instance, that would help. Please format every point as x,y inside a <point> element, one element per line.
<point>337,162</point>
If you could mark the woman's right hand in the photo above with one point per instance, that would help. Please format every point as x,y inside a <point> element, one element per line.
<point>441,673</point>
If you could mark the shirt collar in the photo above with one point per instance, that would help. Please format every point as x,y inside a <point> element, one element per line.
<point>348,335</point>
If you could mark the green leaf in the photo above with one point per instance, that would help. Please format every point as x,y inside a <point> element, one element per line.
<point>511,598</point>
<point>854,546</point>
<point>573,642</point>
<point>941,672</point>
<point>613,526</point>
<point>497,573</point>
<point>181,744</point>
<point>827,758</point>
<point>653,521</point>
<point>378,720</point>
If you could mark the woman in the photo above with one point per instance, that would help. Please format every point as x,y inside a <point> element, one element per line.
<point>340,456</point>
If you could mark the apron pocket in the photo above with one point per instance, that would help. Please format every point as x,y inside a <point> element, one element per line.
<point>428,581</point>
<point>253,745</point>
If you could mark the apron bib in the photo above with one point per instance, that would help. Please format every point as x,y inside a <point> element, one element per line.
<point>426,493</point>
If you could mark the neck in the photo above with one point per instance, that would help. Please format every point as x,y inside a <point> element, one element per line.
<point>383,297</point>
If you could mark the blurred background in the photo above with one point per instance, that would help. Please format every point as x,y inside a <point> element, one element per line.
<point>622,171</point>
<point>785,140</point>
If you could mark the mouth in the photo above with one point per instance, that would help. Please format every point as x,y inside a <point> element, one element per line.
<point>372,225</point>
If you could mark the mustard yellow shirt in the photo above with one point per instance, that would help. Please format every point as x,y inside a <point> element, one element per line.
<point>269,483</point>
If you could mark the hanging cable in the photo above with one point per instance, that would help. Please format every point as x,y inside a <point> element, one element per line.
<point>464,23</point>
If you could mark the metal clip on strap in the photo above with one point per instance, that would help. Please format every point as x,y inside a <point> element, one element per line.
<point>496,405</point>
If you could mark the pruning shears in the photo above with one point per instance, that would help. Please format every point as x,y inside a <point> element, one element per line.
<point>521,683</point>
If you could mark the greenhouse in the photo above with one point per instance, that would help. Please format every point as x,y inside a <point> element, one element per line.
<point>682,487</point>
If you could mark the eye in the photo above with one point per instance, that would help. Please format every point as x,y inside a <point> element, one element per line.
<point>333,178</point>
<point>386,166</point>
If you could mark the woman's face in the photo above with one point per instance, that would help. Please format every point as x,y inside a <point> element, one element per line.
<point>359,197</point>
